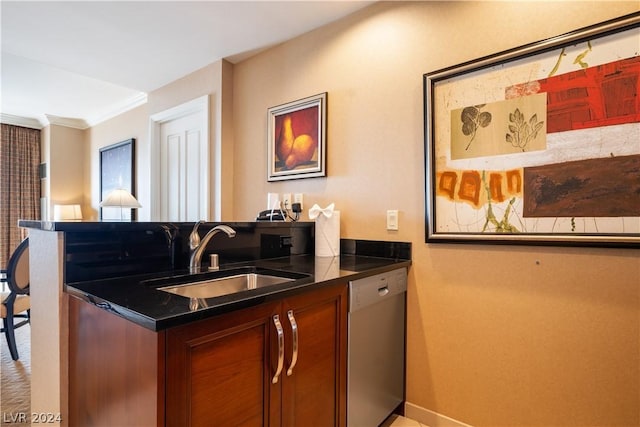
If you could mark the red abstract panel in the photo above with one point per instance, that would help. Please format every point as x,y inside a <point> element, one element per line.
<point>606,187</point>
<point>603,95</point>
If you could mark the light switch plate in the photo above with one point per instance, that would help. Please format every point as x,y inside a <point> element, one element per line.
<point>392,219</point>
<point>286,201</point>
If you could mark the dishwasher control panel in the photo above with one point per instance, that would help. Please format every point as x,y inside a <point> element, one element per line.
<point>373,289</point>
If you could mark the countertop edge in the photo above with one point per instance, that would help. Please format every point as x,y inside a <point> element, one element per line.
<point>232,304</point>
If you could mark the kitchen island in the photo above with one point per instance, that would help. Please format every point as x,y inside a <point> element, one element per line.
<point>137,299</point>
<point>136,352</point>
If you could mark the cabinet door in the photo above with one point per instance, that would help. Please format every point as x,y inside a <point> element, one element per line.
<point>218,370</point>
<point>314,390</point>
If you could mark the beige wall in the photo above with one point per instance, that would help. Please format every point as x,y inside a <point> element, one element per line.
<point>64,150</point>
<point>497,336</point>
<point>215,81</point>
<point>133,124</point>
<point>208,80</point>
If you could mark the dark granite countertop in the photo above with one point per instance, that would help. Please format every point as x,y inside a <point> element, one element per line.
<point>116,265</point>
<point>132,298</point>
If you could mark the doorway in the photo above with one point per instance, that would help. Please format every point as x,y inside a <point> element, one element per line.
<point>180,172</point>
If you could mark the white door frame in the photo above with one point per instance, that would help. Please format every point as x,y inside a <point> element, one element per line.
<point>196,106</point>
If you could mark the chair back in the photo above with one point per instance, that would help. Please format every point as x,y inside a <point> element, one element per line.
<point>18,269</point>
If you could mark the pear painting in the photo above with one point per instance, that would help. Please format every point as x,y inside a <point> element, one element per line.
<point>296,142</point>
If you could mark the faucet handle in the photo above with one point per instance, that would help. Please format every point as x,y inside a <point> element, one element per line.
<point>194,237</point>
<point>214,263</point>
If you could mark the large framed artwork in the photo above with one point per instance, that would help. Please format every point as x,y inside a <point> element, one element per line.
<point>539,144</point>
<point>117,171</point>
<point>297,139</point>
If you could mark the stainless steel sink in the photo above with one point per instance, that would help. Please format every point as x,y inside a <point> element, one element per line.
<point>223,282</point>
<point>225,285</point>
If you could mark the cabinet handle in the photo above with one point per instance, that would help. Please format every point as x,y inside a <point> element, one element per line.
<point>294,333</point>
<point>276,322</point>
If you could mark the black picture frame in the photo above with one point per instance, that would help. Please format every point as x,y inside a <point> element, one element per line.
<point>117,170</point>
<point>535,187</point>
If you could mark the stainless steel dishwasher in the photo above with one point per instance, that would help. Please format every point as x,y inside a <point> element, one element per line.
<point>376,347</point>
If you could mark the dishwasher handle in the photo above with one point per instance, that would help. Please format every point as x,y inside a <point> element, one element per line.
<point>373,289</point>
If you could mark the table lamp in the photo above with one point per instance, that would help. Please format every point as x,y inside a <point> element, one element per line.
<point>67,213</point>
<point>120,198</point>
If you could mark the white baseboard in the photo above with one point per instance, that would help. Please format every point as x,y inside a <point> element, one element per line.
<point>430,418</point>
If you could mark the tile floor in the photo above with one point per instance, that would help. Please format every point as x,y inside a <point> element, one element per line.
<point>400,421</point>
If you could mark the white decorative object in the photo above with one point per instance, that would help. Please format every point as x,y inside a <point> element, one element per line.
<point>327,230</point>
<point>327,268</point>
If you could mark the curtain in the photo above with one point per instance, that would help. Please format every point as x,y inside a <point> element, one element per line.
<point>19,185</point>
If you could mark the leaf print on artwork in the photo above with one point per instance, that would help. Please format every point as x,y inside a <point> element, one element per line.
<point>579,59</point>
<point>472,119</point>
<point>521,132</point>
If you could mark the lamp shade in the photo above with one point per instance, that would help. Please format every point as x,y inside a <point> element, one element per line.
<point>120,198</point>
<point>67,213</point>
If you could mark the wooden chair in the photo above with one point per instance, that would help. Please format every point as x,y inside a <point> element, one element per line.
<point>15,303</point>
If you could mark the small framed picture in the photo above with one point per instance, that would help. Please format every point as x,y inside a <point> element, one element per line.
<point>296,141</point>
<point>117,170</point>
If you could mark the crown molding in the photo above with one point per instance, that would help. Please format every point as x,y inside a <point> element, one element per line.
<point>67,122</point>
<point>129,104</point>
<point>82,124</point>
<point>26,122</point>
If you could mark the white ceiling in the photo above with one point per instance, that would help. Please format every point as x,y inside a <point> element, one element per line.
<point>90,60</point>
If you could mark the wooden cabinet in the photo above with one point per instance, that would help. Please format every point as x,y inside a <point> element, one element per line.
<point>116,370</point>
<point>281,363</point>
<point>277,364</point>
<point>216,372</point>
<point>314,393</point>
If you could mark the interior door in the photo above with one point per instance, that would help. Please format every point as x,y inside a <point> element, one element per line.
<point>183,169</point>
<point>179,160</point>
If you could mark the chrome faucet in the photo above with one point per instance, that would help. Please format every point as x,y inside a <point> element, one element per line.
<point>197,247</point>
